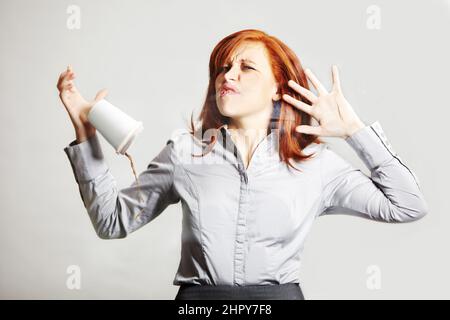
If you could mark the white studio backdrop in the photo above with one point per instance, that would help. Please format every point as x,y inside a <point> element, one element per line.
<point>153,58</point>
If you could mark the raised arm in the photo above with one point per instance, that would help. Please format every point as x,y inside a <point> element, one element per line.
<point>113,211</point>
<point>391,193</point>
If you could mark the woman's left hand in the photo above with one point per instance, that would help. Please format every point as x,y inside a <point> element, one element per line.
<point>335,115</point>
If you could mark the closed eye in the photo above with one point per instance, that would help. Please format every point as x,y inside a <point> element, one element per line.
<point>224,68</point>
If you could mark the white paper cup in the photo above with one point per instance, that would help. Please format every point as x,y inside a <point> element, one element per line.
<point>118,128</point>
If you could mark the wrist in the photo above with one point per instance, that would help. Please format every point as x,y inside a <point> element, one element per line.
<point>84,133</point>
<point>353,128</point>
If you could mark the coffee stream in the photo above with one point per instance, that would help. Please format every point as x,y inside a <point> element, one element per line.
<point>137,180</point>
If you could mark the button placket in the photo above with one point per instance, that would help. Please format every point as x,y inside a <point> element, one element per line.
<point>241,229</point>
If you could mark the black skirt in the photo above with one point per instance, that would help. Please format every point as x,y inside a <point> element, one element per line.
<point>286,291</point>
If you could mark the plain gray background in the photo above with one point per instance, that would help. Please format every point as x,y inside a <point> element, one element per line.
<point>153,57</point>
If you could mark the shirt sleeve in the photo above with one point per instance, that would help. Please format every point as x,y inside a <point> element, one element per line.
<point>392,192</point>
<point>115,213</point>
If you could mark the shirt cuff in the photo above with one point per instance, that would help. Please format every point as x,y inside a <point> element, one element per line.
<point>86,159</point>
<point>371,145</point>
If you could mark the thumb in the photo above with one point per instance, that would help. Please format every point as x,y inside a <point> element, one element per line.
<point>100,95</point>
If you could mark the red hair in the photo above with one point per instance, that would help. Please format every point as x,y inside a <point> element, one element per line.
<point>285,66</point>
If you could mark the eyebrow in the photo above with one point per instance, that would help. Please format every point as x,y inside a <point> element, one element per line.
<point>248,60</point>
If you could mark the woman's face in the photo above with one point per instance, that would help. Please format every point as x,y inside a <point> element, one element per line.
<point>251,76</point>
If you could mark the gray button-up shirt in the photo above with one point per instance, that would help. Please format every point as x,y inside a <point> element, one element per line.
<point>243,226</point>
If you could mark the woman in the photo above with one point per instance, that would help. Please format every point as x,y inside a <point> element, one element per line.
<point>253,177</point>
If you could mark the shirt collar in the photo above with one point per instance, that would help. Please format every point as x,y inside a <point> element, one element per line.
<point>270,142</point>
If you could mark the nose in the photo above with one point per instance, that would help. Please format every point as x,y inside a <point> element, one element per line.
<point>232,73</point>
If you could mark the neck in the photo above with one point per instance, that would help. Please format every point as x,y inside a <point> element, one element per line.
<point>248,131</point>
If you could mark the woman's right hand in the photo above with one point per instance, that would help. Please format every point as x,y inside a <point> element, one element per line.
<point>77,107</point>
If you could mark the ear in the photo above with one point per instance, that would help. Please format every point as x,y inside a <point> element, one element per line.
<point>276,96</point>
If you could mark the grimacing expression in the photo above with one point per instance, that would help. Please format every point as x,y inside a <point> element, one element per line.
<point>251,75</point>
